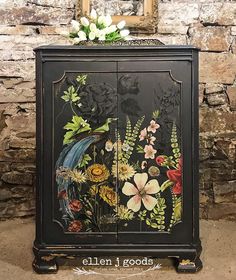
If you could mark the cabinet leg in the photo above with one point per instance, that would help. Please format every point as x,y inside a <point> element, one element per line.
<point>45,265</point>
<point>189,266</point>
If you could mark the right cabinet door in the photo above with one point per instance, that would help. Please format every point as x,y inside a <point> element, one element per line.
<point>154,156</point>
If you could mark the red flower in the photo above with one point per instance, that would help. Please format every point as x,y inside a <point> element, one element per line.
<point>75,226</point>
<point>176,177</point>
<point>75,205</point>
<point>160,160</point>
<point>62,194</point>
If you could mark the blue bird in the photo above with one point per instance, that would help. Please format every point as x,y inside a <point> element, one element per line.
<point>69,158</point>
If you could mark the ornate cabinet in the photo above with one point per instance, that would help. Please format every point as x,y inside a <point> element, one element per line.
<point>117,153</point>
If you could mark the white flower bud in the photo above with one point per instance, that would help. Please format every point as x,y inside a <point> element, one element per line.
<point>124,33</point>
<point>108,20</point>
<point>111,29</point>
<point>93,14</point>
<point>82,35</point>
<point>84,21</point>
<point>92,36</point>
<point>101,19</point>
<point>121,24</point>
<point>76,40</point>
<point>93,27</point>
<point>102,38</point>
<point>75,25</point>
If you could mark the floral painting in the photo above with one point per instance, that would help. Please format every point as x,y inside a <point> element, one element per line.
<point>114,171</point>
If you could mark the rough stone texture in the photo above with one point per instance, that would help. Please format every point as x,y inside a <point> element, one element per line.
<point>210,38</point>
<point>210,25</point>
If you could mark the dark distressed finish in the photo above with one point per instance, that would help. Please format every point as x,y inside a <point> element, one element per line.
<point>52,241</point>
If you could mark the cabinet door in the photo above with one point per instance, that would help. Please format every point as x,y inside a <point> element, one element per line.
<point>79,125</point>
<point>154,166</point>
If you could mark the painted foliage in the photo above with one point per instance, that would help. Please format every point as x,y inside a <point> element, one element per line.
<point>106,176</point>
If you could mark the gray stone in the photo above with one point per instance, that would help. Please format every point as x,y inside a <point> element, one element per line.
<point>217,99</point>
<point>224,191</point>
<point>15,177</point>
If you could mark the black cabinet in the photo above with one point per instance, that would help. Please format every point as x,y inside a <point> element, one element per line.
<point>117,153</point>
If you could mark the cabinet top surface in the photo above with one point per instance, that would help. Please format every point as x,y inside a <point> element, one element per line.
<point>114,48</point>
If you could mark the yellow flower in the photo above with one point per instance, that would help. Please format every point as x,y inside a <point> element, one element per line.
<point>108,195</point>
<point>124,213</point>
<point>93,190</point>
<point>77,176</point>
<point>124,170</point>
<point>97,173</point>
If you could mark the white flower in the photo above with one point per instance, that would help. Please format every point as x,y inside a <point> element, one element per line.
<point>84,21</point>
<point>93,27</point>
<point>141,192</point>
<point>75,25</point>
<point>109,146</point>
<point>121,24</point>
<point>101,19</point>
<point>111,29</point>
<point>76,40</point>
<point>124,32</point>
<point>102,38</point>
<point>93,14</point>
<point>108,20</point>
<point>82,35</point>
<point>153,126</point>
<point>92,36</point>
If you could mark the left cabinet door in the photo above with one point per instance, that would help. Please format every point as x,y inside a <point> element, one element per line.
<point>79,120</point>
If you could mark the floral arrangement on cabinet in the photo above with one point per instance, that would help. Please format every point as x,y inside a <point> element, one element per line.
<point>100,181</point>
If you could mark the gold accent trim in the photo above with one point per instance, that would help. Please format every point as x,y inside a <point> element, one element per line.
<point>137,24</point>
<point>186,262</point>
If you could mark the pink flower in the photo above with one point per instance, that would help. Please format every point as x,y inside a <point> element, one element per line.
<point>152,139</point>
<point>143,134</point>
<point>153,126</point>
<point>141,192</point>
<point>149,151</point>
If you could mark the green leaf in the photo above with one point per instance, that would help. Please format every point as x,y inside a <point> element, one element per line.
<point>105,126</point>
<point>166,185</point>
<point>177,210</point>
<point>155,114</point>
<point>81,79</point>
<point>70,95</point>
<point>85,160</point>
<point>140,149</point>
<point>75,127</point>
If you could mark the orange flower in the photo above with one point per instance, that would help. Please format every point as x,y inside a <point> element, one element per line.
<point>75,205</point>
<point>75,226</point>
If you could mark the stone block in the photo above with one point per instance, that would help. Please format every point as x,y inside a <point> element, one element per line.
<point>33,14</point>
<point>17,178</point>
<point>26,70</point>
<point>217,99</point>
<point>222,211</point>
<point>16,94</point>
<point>218,13</point>
<point>22,123</point>
<point>217,68</point>
<point>22,155</point>
<point>22,143</point>
<point>224,191</point>
<point>214,88</point>
<point>210,38</point>
<point>231,92</point>
<point>17,30</point>
<point>215,121</point>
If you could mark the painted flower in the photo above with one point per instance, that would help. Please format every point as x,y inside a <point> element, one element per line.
<point>143,134</point>
<point>77,176</point>
<point>176,177</point>
<point>97,173</point>
<point>141,192</point>
<point>123,171</point>
<point>93,190</point>
<point>62,194</point>
<point>125,147</point>
<point>75,226</point>
<point>108,146</point>
<point>108,195</point>
<point>149,152</point>
<point>75,205</point>
<point>153,126</point>
<point>124,213</point>
<point>153,171</point>
<point>160,160</point>
<point>151,140</point>
<point>144,164</point>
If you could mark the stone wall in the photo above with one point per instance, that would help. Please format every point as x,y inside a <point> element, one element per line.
<point>208,24</point>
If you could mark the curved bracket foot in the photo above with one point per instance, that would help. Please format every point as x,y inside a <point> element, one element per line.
<point>45,265</point>
<point>189,266</point>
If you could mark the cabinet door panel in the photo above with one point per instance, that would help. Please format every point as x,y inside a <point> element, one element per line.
<point>155,190</point>
<point>80,105</point>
